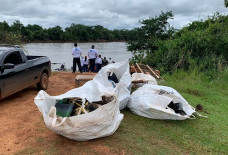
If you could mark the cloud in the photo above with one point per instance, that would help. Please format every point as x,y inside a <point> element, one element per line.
<point>122,14</point>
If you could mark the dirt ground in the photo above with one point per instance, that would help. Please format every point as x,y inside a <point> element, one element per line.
<point>22,128</point>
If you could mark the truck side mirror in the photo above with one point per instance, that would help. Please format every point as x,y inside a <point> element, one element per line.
<point>8,66</point>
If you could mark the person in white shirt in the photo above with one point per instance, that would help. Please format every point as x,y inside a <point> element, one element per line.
<point>98,63</point>
<point>76,52</point>
<point>85,62</point>
<point>92,54</point>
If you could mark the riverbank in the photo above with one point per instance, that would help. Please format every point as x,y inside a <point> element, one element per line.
<point>23,130</point>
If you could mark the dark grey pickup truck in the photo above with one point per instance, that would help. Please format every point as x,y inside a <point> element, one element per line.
<point>18,71</point>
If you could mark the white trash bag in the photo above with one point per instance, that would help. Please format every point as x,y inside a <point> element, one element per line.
<point>146,78</point>
<point>122,88</point>
<point>101,122</point>
<point>160,102</point>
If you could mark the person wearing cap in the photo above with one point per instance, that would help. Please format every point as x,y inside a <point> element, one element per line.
<point>92,54</point>
<point>76,52</point>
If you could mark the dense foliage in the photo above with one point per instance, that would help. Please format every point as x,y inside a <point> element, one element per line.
<point>226,3</point>
<point>76,32</point>
<point>201,45</point>
<point>152,30</point>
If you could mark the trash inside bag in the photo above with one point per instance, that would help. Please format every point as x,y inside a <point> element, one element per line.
<point>112,77</point>
<point>160,102</point>
<point>177,108</point>
<point>76,106</point>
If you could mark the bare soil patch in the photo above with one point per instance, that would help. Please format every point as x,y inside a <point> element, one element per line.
<point>22,128</point>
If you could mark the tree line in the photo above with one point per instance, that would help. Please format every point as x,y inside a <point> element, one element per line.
<point>76,32</point>
<point>201,45</point>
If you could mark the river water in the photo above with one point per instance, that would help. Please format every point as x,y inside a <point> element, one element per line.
<point>61,52</point>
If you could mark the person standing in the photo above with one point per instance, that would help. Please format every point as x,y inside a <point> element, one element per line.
<point>92,54</point>
<point>85,62</point>
<point>99,61</point>
<point>104,62</point>
<point>76,52</point>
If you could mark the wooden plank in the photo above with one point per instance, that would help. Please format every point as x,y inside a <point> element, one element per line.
<point>158,77</point>
<point>139,68</point>
<point>136,68</point>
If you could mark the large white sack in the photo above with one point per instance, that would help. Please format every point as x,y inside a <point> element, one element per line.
<point>152,101</point>
<point>146,78</point>
<point>122,89</point>
<point>101,122</point>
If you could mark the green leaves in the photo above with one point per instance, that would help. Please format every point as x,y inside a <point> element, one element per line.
<point>226,3</point>
<point>152,30</point>
<point>201,45</point>
<point>76,32</point>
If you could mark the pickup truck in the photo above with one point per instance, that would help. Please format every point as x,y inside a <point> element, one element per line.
<point>18,71</point>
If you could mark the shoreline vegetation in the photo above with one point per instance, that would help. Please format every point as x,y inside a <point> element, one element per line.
<point>73,33</point>
<point>51,41</point>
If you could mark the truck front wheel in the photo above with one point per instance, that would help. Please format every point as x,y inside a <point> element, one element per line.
<point>43,84</point>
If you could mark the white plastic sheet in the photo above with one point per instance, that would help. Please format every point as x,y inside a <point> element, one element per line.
<point>152,101</point>
<point>146,78</point>
<point>122,89</point>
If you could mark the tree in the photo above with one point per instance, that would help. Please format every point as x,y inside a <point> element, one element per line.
<point>4,26</point>
<point>152,30</point>
<point>17,26</point>
<point>202,45</point>
<point>55,33</point>
<point>226,3</point>
<point>76,32</point>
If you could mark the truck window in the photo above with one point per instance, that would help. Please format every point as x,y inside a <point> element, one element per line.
<point>14,58</point>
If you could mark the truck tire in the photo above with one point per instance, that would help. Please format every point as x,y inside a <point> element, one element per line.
<point>43,84</point>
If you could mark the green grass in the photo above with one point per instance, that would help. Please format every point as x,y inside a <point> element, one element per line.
<point>199,136</point>
<point>139,135</point>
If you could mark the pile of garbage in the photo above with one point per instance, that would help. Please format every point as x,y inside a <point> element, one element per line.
<point>68,107</point>
<point>160,102</point>
<point>93,110</point>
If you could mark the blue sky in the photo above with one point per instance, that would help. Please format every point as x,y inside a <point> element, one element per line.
<point>119,14</point>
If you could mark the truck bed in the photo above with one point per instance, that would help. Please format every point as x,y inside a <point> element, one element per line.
<point>30,57</point>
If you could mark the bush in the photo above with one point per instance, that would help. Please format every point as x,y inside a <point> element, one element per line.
<point>202,45</point>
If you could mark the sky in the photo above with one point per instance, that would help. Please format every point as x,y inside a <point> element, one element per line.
<point>112,14</point>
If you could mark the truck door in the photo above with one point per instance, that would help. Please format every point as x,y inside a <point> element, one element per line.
<point>14,79</point>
